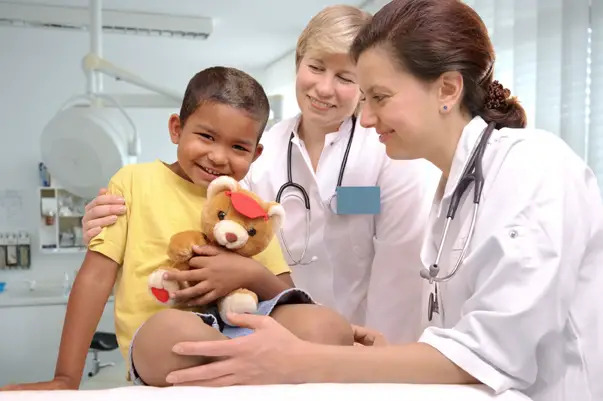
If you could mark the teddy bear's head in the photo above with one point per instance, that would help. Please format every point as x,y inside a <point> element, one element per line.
<point>238,219</point>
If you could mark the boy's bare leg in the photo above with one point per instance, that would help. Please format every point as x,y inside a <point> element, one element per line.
<point>152,347</point>
<point>315,323</point>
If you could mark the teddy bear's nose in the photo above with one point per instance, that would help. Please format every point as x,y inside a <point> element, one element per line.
<point>230,237</point>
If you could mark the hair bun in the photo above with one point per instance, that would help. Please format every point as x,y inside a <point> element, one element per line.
<point>497,97</point>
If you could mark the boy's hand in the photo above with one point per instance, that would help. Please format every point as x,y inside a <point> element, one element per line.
<point>217,272</point>
<point>59,383</point>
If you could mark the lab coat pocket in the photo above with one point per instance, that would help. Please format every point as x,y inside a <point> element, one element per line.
<point>360,232</point>
<point>455,252</point>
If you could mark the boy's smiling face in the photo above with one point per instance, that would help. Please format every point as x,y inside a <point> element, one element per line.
<point>217,139</point>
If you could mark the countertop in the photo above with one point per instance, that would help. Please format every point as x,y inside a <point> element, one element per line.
<point>36,297</point>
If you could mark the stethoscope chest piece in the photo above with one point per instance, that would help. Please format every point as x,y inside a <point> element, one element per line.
<point>433,305</point>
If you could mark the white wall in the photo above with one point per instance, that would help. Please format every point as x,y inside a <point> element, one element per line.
<point>39,71</point>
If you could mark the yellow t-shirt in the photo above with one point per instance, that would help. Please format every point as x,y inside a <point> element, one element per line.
<point>159,204</point>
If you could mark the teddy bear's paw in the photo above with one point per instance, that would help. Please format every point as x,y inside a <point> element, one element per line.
<point>181,254</point>
<point>238,303</point>
<point>161,288</point>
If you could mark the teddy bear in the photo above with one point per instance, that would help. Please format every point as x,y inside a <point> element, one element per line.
<point>233,218</point>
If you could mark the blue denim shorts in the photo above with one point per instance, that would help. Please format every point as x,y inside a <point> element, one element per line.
<point>289,296</point>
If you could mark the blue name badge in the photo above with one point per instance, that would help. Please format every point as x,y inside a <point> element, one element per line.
<point>358,200</point>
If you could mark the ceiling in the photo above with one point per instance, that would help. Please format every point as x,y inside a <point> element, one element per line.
<point>248,34</point>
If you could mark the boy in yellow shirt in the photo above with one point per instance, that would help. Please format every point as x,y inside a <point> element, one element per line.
<point>217,132</point>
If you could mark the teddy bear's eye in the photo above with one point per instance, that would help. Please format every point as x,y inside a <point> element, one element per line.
<point>251,232</point>
<point>221,215</point>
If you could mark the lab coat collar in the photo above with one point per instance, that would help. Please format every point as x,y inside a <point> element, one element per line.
<point>330,138</point>
<point>467,141</point>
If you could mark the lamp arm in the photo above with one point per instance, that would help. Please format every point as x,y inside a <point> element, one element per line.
<point>92,62</point>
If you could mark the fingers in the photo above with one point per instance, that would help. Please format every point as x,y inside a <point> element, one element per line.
<point>93,232</point>
<point>224,381</point>
<point>368,337</point>
<point>99,222</point>
<point>214,374</point>
<point>94,227</point>
<point>249,321</point>
<point>362,335</point>
<point>100,211</point>
<point>209,297</point>
<point>220,348</point>
<point>186,275</point>
<point>192,294</point>
<point>105,200</point>
<point>207,250</point>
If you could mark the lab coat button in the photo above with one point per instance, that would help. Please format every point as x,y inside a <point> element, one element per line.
<point>513,233</point>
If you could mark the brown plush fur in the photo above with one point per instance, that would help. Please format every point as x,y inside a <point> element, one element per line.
<point>220,216</point>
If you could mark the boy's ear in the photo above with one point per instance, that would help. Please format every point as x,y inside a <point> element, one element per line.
<point>258,151</point>
<point>175,128</point>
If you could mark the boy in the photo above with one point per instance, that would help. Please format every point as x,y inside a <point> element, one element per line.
<point>217,132</point>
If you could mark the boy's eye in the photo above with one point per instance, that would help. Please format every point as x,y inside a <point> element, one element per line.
<point>206,136</point>
<point>238,147</point>
<point>221,215</point>
<point>251,232</point>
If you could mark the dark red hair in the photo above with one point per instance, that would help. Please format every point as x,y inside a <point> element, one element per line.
<point>430,37</point>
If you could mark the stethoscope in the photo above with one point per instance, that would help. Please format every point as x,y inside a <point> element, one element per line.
<point>306,199</point>
<point>471,174</point>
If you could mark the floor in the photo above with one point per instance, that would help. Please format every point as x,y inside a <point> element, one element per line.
<point>109,377</point>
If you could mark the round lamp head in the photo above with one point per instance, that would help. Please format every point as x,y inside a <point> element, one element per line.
<point>84,146</point>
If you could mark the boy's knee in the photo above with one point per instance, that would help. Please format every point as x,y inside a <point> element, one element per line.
<point>316,324</point>
<point>152,354</point>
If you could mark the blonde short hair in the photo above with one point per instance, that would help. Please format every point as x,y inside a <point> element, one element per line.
<point>331,31</point>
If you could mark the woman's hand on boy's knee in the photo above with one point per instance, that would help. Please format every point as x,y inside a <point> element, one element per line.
<point>263,357</point>
<point>217,273</point>
<point>368,337</point>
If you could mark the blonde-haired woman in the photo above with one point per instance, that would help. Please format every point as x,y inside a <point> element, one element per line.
<point>362,261</point>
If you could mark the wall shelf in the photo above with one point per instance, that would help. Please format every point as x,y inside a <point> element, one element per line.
<point>61,214</point>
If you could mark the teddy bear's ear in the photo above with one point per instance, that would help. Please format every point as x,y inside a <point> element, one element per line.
<point>277,213</point>
<point>221,184</point>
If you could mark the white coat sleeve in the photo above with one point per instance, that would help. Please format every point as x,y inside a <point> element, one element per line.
<point>395,287</point>
<point>532,235</point>
<point>246,182</point>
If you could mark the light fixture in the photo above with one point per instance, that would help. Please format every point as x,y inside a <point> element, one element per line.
<point>115,21</point>
<point>92,136</point>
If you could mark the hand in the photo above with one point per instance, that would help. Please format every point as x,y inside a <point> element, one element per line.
<point>101,212</point>
<point>58,383</point>
<point>264,357</point>
<point>368,337</point>
<point>217,273</point>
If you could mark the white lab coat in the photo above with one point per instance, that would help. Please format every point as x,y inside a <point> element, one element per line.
<point>523,310</point>
<point>367,266</point>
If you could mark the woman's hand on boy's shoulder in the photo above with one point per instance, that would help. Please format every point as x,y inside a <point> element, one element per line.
<point>217,273</point>
<point>102,211</point>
